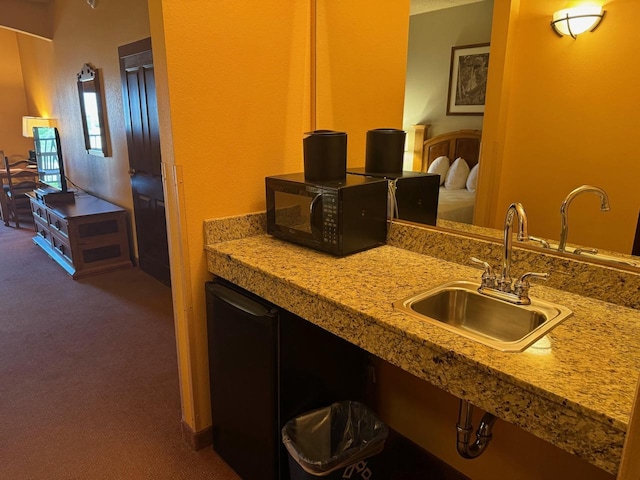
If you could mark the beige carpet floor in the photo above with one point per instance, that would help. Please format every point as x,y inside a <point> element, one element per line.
<point>88,375</point>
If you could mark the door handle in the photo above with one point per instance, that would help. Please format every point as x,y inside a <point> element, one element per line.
<point>132,172</point>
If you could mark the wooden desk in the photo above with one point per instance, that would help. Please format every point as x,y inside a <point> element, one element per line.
<point>86,237</point>
<point>15,173</point>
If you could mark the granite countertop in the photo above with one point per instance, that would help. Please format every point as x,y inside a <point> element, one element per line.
<point>577,395</point>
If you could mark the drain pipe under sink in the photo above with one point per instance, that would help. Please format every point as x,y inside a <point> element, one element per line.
<point>465,430</point>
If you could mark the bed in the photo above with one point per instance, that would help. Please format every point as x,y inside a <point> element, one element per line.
<point>457,204</point>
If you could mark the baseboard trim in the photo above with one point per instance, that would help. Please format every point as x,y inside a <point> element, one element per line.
<point>196,440</point>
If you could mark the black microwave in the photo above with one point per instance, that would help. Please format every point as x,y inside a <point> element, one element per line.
<point>338,217</point>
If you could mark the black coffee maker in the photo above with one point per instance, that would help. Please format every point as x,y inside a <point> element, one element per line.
<point>385,150</point>
<point>325,155</point>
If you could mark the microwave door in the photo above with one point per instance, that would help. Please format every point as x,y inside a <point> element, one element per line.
<point>316,217</point>
<point>292,213</point>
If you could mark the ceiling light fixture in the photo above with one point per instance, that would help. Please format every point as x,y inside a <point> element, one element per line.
<point>574,21</point>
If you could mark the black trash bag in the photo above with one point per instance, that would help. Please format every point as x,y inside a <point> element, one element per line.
<point>334,437</point>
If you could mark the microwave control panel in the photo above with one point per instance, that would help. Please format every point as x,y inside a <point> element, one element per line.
<point>330,218</point>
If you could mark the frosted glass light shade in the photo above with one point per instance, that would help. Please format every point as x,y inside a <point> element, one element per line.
<point>29,122</point>
<point>574,21</point>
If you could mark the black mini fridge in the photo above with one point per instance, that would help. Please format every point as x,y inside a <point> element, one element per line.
<point>267,366</point>
<point>416,194</point>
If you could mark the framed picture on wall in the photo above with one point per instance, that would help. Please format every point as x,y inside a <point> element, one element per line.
<point>468,79</point>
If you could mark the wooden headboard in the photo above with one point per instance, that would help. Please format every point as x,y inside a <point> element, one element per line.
<point>463,143</point>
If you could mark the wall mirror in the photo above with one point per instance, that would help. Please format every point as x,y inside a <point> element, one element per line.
<point>585,212</point>
<point>91,108</point>
<point>566,176</point>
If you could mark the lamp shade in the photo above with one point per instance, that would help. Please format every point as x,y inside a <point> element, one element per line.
<point>577,20</point>
<point>29,122</point>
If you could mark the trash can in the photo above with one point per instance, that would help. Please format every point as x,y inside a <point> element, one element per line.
<point>335,442</point>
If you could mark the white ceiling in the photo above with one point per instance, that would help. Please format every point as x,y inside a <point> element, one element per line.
<point>422,6</point>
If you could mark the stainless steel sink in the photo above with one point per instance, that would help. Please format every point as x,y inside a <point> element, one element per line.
<point>458,307</point>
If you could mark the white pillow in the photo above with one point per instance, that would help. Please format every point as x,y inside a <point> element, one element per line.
<point>472,179</point>
<point>457,175</point>
<point>440,166</point>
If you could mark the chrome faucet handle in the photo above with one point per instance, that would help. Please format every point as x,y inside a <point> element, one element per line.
<point>541,241</point>
<point>522,285</point>
<point>480,262</point>
<point>488,277</point>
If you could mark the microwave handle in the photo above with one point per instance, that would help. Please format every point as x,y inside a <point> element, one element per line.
<point>315,214</point>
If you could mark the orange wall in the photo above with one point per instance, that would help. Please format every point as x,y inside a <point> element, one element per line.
<point>14,101</point>
<point>235,100</point>
<point>572,111</point>
<point>37,59</point>
<point>361,66</point>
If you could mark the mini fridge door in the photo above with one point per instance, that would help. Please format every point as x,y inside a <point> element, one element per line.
<point>243,374</point>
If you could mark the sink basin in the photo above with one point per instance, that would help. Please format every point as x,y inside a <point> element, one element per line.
<point>458,307</point>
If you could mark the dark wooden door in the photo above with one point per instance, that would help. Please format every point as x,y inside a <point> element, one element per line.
<point>143,141</point>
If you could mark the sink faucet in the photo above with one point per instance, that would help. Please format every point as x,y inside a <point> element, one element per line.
<point>501,287</point>
<point>515,210</point>
<point>564,210</point>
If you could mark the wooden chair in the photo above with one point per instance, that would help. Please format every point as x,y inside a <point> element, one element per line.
<point>18,180</point>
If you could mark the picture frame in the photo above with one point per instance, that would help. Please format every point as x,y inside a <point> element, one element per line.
<point>468,79</point>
